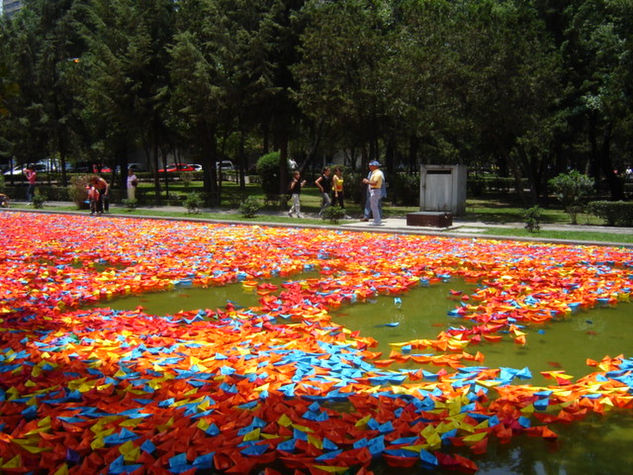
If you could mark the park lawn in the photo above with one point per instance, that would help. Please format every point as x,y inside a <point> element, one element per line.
<point>491,211</point>
<point>578,236</point>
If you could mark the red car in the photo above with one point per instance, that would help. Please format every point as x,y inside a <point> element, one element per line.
<point>177,167</point>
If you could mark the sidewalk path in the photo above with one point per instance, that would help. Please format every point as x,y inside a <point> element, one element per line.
<point>460,228</point>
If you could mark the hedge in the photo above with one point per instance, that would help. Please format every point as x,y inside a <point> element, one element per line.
<point>615,213</point>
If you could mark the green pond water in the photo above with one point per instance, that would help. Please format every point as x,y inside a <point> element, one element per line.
<point>596,445</point>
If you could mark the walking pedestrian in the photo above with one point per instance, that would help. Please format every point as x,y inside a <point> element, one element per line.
<point>294,188</point>
<point>324,183</point>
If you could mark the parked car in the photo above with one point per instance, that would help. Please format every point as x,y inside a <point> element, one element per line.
<point>137,167</point>
<point>177,168</point>
<point>48,164</point>
<point>89,167</point>
<point>225,165</point>
<point>15,171</point>
<point>196,167</point>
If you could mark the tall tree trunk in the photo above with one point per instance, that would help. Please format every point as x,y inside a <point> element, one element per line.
<point>593,142</point>
<point>242,163</point>
<point>283,166</point>
<point>414,146</point>
<point>209,160</point>
<point>616,186</point>
<point>601,162</point>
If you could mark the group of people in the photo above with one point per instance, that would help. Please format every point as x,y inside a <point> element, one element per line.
<point>330,186</point>
<point>98,195</point>
<point>331,189</point>
<point>98,190</point>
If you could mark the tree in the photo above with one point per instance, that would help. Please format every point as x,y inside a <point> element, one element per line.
<point>597,50</point>
<point>571,190</point>
<point>513,88</point>
<point>125,92</point>
<point>340,75</point>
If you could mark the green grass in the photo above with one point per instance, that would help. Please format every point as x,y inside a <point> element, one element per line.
<point>578,236</point>
<point>491,211</point>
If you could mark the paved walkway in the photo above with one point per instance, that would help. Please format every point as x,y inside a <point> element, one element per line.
<point>460,228</point>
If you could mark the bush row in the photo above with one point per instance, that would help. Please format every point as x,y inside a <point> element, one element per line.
<point>614,213</point>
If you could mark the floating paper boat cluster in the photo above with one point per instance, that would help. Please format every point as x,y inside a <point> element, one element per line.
<point>277,387</point>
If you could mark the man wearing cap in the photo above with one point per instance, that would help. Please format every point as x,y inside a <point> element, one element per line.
<point>375,181</point>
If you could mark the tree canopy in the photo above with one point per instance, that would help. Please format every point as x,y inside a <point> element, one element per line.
<point>527,88</point>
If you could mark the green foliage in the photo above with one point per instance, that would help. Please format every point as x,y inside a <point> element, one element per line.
<point>571,190</point>
<point>353,187</point>
<point>614,213</point>
<point>333,214</point>
<point>533,218</point>
<point>38,199</point>
<point>520,86</point>
<point>268,170</point>
<point>193,202</point>
<point>130,203</point>
<point>250,207</point>
<point>187,179</point>
<point>77,190</point>
<point>2,183</point>
<point>404,189</point>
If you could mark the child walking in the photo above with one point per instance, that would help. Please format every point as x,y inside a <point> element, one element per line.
<point>295,191</point>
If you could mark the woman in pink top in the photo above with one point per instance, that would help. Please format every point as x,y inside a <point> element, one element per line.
<point>31,176</point>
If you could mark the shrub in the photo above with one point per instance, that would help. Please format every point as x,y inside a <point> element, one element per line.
<point>333,214</point>
<point>571,190</point>
<point>38,199</point>
<point>77,190</point>
<point>404,189</point>
<point>532,218</point>
<point>186,178</point>
<point>268,170</point>
<point>353,187</point>
<point>130,203</point>
<point>613,212</point>
<point>193,202</point>
<point>250,207</point>
<point>475,186</point>
<point>54,192</point>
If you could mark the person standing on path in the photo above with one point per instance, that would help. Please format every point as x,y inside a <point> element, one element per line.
<point>31,177</point>
<point>375,182</point>
<point>132,182</point>
<point>337,187</point>
<point>294,188</point>
<point>324,183</point>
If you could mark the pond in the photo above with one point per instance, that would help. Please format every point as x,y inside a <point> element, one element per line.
<point>597,444</point>
<point>311,349</point>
